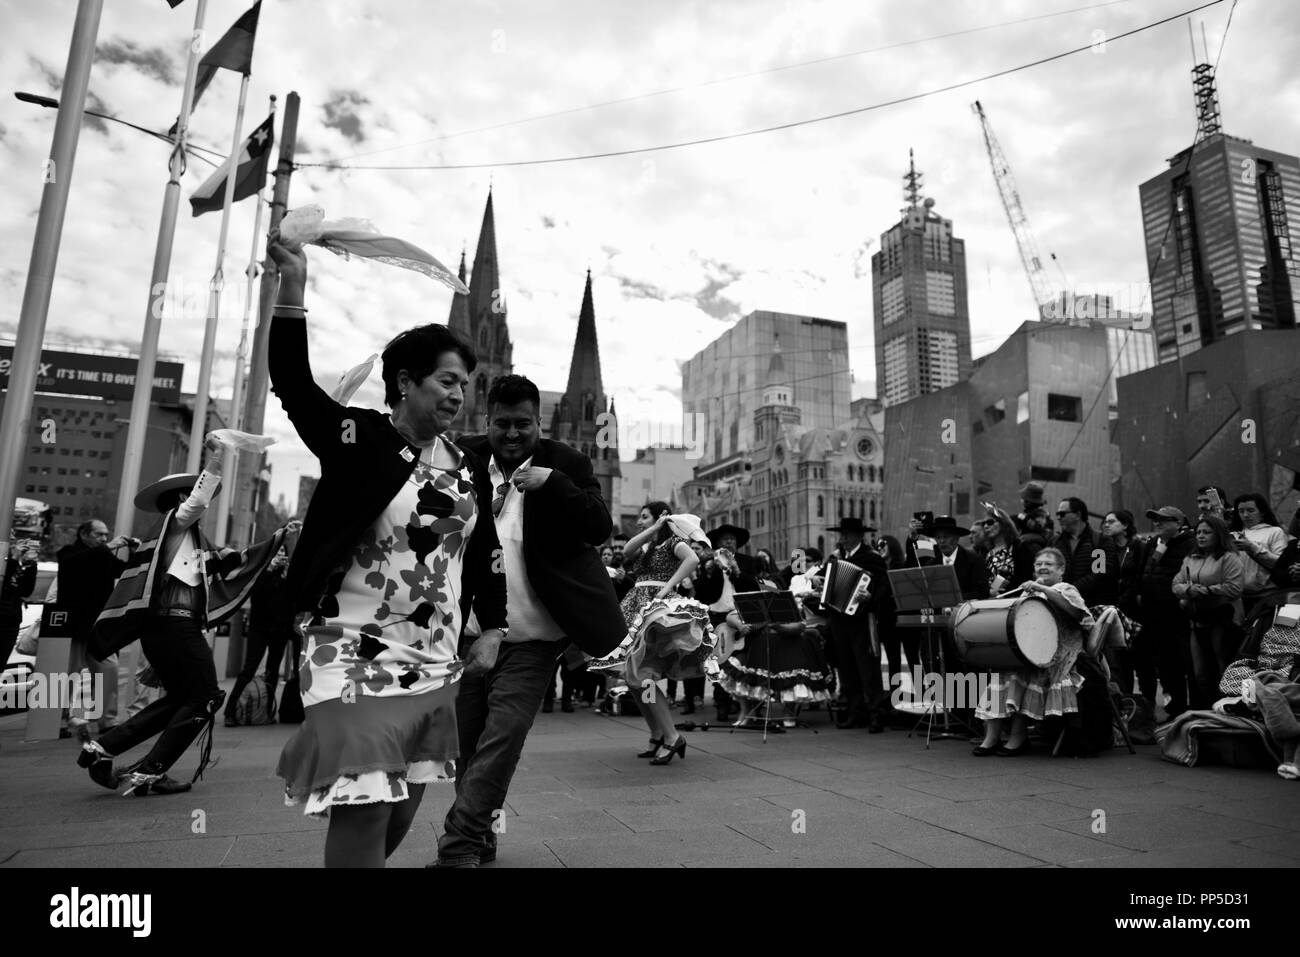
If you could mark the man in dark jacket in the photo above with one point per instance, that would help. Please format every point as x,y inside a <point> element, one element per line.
<point>856,654</point>
<point>550,518</point>
<point>1091,562</point>
<point>1161,647</point>
<point>88,570</point>
<point>270,629</point>
<point>972,571</point>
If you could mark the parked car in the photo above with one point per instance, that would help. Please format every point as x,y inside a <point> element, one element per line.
<point>17,674</point>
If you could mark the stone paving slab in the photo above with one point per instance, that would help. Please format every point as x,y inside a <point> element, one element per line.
<point>581,798</point>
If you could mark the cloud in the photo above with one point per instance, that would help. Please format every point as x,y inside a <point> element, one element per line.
<point>342,113</point>
<point>548,222</point>
<point>643,290</point>
<point>153,62</point>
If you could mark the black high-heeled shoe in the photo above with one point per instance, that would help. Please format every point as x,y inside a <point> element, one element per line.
<point>655,745</point>
<point>678,749</point>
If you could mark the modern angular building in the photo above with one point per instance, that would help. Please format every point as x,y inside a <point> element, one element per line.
<point>920,313</point>
<point>724,381</point>
<point>1220,227</point>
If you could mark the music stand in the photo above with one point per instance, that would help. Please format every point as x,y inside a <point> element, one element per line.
<point>923,590</point>
<point>767,609</point>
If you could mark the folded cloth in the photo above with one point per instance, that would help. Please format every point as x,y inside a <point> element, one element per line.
<point>360,237</point>
<point>352,380</point>
<point>1178,739</point>
<point>245,441</point>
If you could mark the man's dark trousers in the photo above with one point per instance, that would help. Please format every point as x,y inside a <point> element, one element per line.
<point>183,662</point>
<point>858,669</point>
<point>494,713</point>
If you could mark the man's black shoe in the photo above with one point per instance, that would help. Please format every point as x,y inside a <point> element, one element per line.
<point>100,767</point>
<point>142,784</point>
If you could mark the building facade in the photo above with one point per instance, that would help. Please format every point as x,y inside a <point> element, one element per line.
<point>658,473</point>
<point>1227,414</point>
<point>794,481</point>
<point>1221,227</point>
<point>920,312</point>
<point>723,382</point>
<point>1034,409</point>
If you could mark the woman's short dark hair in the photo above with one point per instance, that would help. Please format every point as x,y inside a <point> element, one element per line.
<point>512,389</point>
<point>1266,515</point>
<point>1125,518</point>
<point>417,351</point>
<point>1222,537</point>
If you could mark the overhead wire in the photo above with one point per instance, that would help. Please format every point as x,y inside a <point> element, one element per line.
<point>793,124</point>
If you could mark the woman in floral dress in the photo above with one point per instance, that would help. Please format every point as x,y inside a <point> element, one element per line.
<point>668,636</point>
<point>397,546</point>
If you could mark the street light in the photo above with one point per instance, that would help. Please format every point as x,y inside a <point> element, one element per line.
<point>50,102</point>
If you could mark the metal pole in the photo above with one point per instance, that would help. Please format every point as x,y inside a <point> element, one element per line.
<point>199,425</point>
<point>143,395</point>
<point>15,423</point>
<point>231,460</point>
<point>250,466</point>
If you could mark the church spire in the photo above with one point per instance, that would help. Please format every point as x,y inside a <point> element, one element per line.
<point>584,367</point>
<point>485,297</point>
<point>458,318</point>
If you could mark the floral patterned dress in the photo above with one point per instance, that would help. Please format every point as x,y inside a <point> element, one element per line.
<point>666,637</point>
<point>375,674</point>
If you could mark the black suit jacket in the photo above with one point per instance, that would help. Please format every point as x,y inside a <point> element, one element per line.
<point>565,521</point>
<point>972,571</point>
<point>363,462</point>
<point>86,579</point>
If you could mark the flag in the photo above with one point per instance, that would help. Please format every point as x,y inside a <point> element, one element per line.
<point>234,51</point>
<point>250,174</point>
<point>174,3</point>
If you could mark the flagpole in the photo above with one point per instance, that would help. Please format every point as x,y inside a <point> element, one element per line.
<point>199,425</point>
<point>143,394</point>
<point>15,423</point>
<point>231,459</point>
<point>258,375</point>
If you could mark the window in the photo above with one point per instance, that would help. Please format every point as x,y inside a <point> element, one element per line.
<point>873,509</point>
<point>1196,390</point>
<point>1041,473</point>
<point>31,488</point>
<point>1022,408</point>
<point>996,412</point>
<point>92,454</point>
<point>871,473</point>
<point>63,471</point>
<point>1064,408</point>
<point>58,490</point>
<point>977,427</point>
<point>853,509</point>
<point>821,507</point>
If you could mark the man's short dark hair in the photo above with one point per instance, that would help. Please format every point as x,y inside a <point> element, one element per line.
<point>1078,507</point>
<point>417,351</point>
<point>512,389</point>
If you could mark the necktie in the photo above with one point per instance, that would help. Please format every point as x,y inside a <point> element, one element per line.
<point>499,499</point>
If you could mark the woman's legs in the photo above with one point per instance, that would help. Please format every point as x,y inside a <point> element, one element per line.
<point>992,732</point>
<point>659,717</point>
<point>399,821</point>
<point>356,835</point>
<point>1019,731</point>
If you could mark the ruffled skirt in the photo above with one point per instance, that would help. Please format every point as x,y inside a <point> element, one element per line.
<point>1037,693</point>
<point>787,668</point>
<point>370,749</point>
<point>666,638</point>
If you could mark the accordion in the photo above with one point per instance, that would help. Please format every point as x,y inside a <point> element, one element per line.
<point>845,587</point>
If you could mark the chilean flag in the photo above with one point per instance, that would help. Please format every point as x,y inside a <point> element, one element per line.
<point>250,174</point>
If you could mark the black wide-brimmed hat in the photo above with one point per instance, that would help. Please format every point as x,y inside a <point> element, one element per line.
<point>852,524</point>
<point>945,523</point>
<point>147,498</point>
<point>742,534</point>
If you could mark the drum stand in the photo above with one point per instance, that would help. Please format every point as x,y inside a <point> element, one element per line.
<point>929,717</point>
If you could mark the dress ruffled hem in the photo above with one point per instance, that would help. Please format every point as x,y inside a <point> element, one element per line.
<point>1028,694</point>
<point>798,693</point>
<point>372,787</point>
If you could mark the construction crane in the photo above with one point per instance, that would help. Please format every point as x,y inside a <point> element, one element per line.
<point>1044,292</point>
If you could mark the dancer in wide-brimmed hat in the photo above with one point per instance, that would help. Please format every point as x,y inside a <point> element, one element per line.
<point>174,587</point>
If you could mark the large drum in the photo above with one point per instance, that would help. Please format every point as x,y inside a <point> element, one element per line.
<point>1006,633</point>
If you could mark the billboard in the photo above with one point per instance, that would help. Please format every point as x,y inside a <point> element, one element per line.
<point>109,377</point>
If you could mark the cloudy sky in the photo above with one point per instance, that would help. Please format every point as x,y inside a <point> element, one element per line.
<point>681,242</point>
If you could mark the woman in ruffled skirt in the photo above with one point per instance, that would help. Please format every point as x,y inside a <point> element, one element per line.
<point>1037,693</point>
<point>668,636</point>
